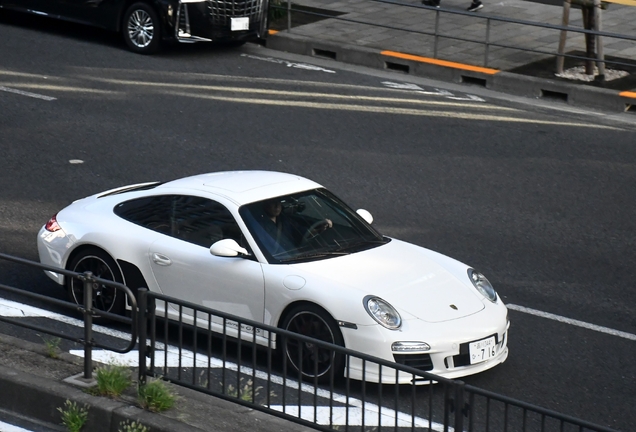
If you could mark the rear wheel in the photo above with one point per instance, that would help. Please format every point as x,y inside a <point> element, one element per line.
<point>311,361</point>
<point>141,29</point>
<point>101,265</point>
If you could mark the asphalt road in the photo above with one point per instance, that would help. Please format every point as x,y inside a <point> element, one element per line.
<point>539,199</point>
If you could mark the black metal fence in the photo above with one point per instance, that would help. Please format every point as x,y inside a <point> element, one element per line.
<point>87,310</point>
<point>239,360</point>
<point>514,26</point>
<point>257,375</point>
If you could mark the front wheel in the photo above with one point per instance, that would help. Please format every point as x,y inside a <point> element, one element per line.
<point>310,360</point>
<point>141,29</point>
<point>101,265</point>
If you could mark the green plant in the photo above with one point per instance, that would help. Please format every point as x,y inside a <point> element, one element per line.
<point>112,380</point>
<point>155,396</point>
<point>73,416</point>
<point>247,393</point>
<point>52,346</point>
<point>127,426</point>
<point>277,9</point>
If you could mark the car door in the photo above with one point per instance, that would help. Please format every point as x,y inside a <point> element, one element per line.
<point>184,268</point>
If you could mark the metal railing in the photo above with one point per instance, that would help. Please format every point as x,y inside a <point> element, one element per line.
<point>87,310</point>
<point>207,357</point>
<point>486,41</point>
<point>236,359</point>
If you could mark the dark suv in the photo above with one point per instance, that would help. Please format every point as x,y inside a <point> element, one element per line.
<point>145,24</point>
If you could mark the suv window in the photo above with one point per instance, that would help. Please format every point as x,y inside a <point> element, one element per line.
<point>196,220</point>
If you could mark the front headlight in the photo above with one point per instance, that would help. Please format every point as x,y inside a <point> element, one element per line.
<point>382,312</point>
<point>483,285</point>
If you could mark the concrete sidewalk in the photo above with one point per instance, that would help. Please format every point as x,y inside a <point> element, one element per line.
<point>33,387</point>
<point>374,40</point>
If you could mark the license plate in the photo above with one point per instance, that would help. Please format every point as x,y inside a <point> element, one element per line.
<point>482,350</point>
<point>238,24</point>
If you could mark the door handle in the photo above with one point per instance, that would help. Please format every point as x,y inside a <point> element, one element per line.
<point>160,259</point>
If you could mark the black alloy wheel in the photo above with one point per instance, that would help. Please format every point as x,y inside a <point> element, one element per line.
<point>141,29</point>
<point>309,360</point>
<point>101,265</point>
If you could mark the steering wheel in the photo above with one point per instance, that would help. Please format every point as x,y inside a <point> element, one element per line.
<point>309,234</point>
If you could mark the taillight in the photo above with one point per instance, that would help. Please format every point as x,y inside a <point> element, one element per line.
<point>52,224</point>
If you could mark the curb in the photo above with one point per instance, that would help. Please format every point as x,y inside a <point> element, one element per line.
<point>35,396</point>
<point>38,398</point>
<point>492,79</point>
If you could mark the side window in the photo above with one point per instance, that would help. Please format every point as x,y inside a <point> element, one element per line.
<point>154,213</point>
<point>193,219</point>
<point>203,222</point>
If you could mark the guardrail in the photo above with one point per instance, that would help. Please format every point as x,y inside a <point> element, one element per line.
<point>486,41</point>
<point>210,360</point>
<point>86,310</point>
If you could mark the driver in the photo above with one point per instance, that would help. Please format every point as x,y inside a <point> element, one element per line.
<point>284,230</point>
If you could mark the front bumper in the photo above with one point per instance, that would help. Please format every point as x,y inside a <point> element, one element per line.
<point>447,358</point>
<point>220,20</point>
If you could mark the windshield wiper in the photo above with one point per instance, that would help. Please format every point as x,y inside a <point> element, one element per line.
<point>360,244</point>
<point>314,255</point>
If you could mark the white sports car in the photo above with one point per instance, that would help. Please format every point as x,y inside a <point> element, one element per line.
<point>281,249</point>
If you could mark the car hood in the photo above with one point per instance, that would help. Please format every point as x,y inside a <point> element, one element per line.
<point>416,281</point>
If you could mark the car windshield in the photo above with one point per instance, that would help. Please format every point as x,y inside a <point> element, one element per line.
<point>308,226</point>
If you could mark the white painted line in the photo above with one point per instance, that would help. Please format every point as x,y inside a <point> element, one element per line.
<point>25,93</point>
<point>573,322</point>
<point>339,417</point>
<point>437,92</point>
<point>390,110</point>
<point>355,408</point>
<point>12,309</point>
<point>289,64</point>
<point>9,308</point>
<point>6,427</point>
<point>162,359</point>
<point>313,95</point>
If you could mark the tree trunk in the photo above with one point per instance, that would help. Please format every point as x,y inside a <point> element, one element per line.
<point>590,40</point>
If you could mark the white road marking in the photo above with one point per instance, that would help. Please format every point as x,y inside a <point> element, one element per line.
<point>391,110</point>
<point>401,86</point>
<point>339,417</point>
<point>289,64</point>
<point>573,322</point>
<point>372,412</point>
<point>25,93</point>
<point>6,427</point>
<point>76,161</point>
<point>437,92</point>
<point>355,407</point>
<point>13,309</point>
<point>313,95</point>
<point>52,87</point>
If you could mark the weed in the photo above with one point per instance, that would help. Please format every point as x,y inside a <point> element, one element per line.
<point>73,416</point>
<point>247,393</point>
<point>155,396</point>
<point>127,426</point>
<point>278,10</point>
<point>52,346</point>
<point>112,380</point>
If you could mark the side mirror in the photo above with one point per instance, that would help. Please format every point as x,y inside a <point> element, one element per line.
<point>227,248</point>
<point>364,214</point>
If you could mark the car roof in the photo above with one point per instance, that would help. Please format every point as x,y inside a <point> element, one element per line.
<point>243,186</point>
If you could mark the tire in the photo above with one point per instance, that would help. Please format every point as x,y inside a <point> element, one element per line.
<point>141,29</point>
<point>309,361</point>
<point>105,298</point>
